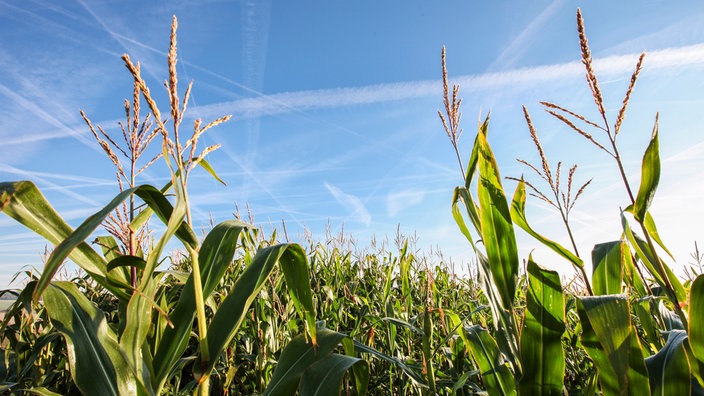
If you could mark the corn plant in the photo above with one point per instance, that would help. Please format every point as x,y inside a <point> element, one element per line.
<point>633,298</point>
<point>144,349</point>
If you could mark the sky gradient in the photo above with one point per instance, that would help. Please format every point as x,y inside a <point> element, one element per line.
<point>335,110</point>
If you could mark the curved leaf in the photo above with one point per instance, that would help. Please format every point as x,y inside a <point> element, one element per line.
<point>650,176</point>
<point>97,363</point>
<point>542,356</point>
<point>485,352</point>
<point>216,254</point>
<point>24,202</point>
<point>324,377</point>
<point>696,321</point>
<point>208,168</point>
<point>609,338</point>
<point>669,369</point>
<point>608,262</point>
<point>518,215</point>
<point>297,357</point>
<point>496,226</point>
<point>153,197</point>
<point>231,312</point>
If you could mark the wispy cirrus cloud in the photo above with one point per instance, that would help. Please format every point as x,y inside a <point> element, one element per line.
<point>398,201</point>
<point>521,43</point>
<point>352,204</point>
<point>516,79</point>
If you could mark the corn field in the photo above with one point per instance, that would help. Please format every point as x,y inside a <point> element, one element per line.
<point>239,312</point>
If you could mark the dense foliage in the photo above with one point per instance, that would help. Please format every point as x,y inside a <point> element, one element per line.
<point>239,312</point>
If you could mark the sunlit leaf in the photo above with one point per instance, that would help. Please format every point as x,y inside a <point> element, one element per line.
<point>611,341</point>
<point>608,262</point>
<point>494,372</point>
<point>98,365</point>
<point>650,176</point>
<point>669,369</point>
<point>25,203</point>
<point>496,226</point>
<point>518,215</point>
<point>542,355</point>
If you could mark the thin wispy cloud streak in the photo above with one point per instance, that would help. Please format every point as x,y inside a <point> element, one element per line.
<point>521,44</point>
<point>354,206</point>
<point>516,79</point>
<point>34,108</point>
<point>44,181</point>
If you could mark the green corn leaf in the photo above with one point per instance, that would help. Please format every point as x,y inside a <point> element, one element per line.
<point>696,325</point>
<point>98,365</point>
<point>474,157</point>
<point>294,264</point>
<point>324,377</point>
<point>160,205</point>
<point>297,357</point>
<point>504,321</point>
<point>153,197</point>
<point>648,325</point>
<point>542,356</point>
<point>652,230</point>
<point>137,326</point>
<point>25,203</point>
<point>608,261</point>
<point>518,215</point>
<point>216,254</point>
<point>410,373</point>
<point>485,352</point>
<point>116,274</point>
<point>108,245</point>
<point>206,165</point>
<point>644,253</point>
<point>126,261</point>
<point>496,227</point>
<point>669,369</point>
<point>612,343</point>
<point>462,195</point>
<point>650,176</point>
<point>632,278</point>
<point>231,312</point>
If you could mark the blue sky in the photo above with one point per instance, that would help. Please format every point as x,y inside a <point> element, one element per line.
<point>335,105</point>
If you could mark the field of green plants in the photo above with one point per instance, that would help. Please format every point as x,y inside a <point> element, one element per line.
<point>239,312</point>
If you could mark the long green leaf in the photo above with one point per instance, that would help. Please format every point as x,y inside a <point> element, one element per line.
<point>474,156</point>
<point>216,254</point>
<point>504,322</point>
<point>650,176</point>
<point>648,257</point>
<point>24,202</point>
<point>610,340</point>
<point>497,228</point>
<point>324,377</point>
<point>231,312</point>
<point>98,366</point>
<point>294,265</point>
<point>652,230</point>
<point>608,262</point>
<point>696,325</point>
<point>669,369</point>
<point>463,195</point>
<point>153,197</point>
<point>495,373</point>
<point>542,356</point>
<point>297,357</point>
<point>518,215</point>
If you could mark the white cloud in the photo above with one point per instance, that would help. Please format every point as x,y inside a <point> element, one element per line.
<point>398,201</point>
<point>517,79</point>
<point>352,204</point>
